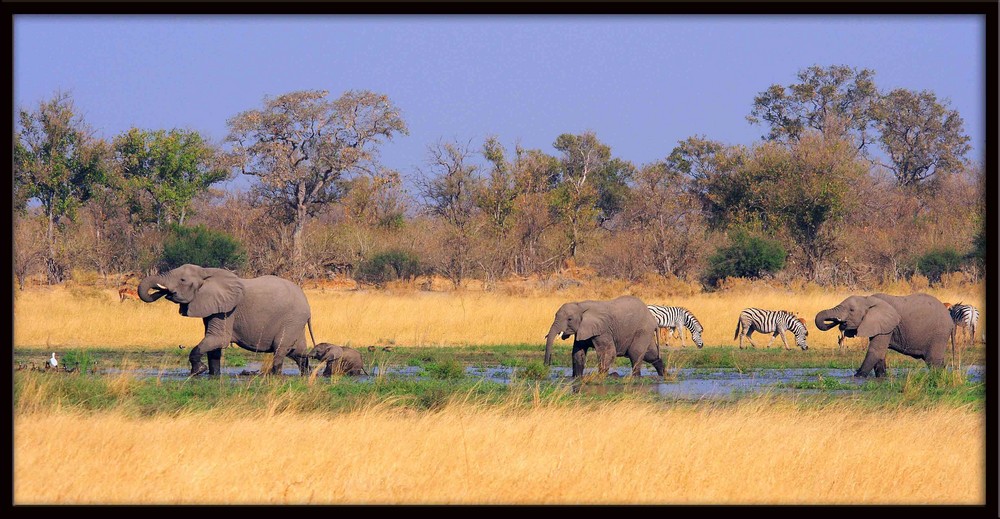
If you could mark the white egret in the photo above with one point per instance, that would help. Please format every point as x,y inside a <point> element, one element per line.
<point>53,362</point>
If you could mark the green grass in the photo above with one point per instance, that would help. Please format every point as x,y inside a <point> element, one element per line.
<point>521,355</point>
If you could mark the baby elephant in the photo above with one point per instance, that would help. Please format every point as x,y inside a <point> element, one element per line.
<point>339,359</point>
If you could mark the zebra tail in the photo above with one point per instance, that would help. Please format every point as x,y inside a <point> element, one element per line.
<point>739,324</point>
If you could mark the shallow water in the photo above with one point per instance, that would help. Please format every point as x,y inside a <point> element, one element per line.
<point>684,383</point>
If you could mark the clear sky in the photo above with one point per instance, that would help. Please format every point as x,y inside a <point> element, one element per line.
<point>641,82</point>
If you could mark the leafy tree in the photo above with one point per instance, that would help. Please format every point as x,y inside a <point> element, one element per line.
<point>747,257</point>
<point>200,245</point>
<point>800,190</point>
<point>836,101</point>
<point>514,201</point>
<point>58,163</point>
<point>593,186</point>
<point>938,262</point>
<point>389,265</point>
<point>172,167</point>
<point>303,146</point>
<point>920,135</point>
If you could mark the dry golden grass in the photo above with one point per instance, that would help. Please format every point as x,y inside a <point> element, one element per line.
<point>759,452</point>
<point>91,317</point>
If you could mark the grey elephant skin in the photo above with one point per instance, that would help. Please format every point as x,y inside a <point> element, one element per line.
<point>339,359</point>
<point>917,325</point>
<point>266,314</point>
<point>621,327</point>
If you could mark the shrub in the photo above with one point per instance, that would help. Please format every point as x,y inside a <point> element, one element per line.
<point>387,266</point>
<point>938,262</point>
<point>745,257</point>
<point>201,246</point>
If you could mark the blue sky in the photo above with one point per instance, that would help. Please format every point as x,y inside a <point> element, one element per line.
<point>641,82</point>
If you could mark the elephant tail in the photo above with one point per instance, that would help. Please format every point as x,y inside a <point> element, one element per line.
<point>310,326</point>
<point>953,361</point>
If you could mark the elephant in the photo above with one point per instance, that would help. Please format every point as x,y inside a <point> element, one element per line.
<point>917,325</point>
<point>339,359</point>
<point>621,327</point>
<point>262,314</point>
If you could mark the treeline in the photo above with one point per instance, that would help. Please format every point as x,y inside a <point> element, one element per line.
<point>849,185</point>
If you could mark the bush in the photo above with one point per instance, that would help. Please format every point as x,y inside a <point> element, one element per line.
<point>389,266</point>
<point>745,257</point>
<point>201,246</point>
<point>938,262</point>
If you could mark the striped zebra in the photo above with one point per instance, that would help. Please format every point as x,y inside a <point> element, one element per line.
<point>674,319</point>
<point>775,322</point>
<point>965,316</point>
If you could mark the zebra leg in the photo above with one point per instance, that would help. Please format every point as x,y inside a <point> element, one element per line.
<point>783,341</point>
<point>775,334</point>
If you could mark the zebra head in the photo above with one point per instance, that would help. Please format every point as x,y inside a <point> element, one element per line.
<point>798,327</point>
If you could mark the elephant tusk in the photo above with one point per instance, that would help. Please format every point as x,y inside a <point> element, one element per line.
<point>161,287</point>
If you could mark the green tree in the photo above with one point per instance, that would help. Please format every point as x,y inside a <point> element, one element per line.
<point>938,262</point>
<point>836,101</point>
<point>303,146</point>
<point>746,256</point>
<point>920,135</point>
<point>200,245</point>
<point>58,163</point>
<point>801,191</point>
<point>172,167</point>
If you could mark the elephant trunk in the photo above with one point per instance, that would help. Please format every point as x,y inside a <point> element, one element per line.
<point>828,319</point>
<point>553,331</point>
<point>148,283</point>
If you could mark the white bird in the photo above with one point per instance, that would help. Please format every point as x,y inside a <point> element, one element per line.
<point>53,362</point>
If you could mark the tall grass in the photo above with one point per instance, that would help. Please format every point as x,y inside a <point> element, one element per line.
<point>65,318</point>
<point>758,452</point>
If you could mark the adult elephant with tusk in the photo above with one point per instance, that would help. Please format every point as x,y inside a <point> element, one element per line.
<point>621,327</point>
<point>917,325</point>
<point>265,314</point>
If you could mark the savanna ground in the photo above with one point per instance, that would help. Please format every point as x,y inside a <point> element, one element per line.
<point>95,438</point>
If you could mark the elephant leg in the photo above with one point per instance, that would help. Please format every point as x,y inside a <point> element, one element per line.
<point>654,359</point>
<point>299,355</point>
<point>579,358</point>
<point>605,353</point>
<point>215,362</point>
<point>878,346</point>
<point>328,371</point>
<point>212,345</point>
<point>880,368</point>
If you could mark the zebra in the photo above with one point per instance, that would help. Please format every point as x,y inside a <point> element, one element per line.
<point>775,322</point>
<point>675,317</point>
<point>965,316</point>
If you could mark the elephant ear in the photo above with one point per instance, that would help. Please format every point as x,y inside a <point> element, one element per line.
<point>591,325</point>
<point>220,292</point>
<point>881,318</point>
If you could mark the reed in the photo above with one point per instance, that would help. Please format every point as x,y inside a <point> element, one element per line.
<point>757,452</point>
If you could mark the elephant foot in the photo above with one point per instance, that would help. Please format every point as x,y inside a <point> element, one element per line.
<point>198,369</point>
<point>214,367</point>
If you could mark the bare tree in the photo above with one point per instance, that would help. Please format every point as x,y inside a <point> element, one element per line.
<point>303,147</point>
